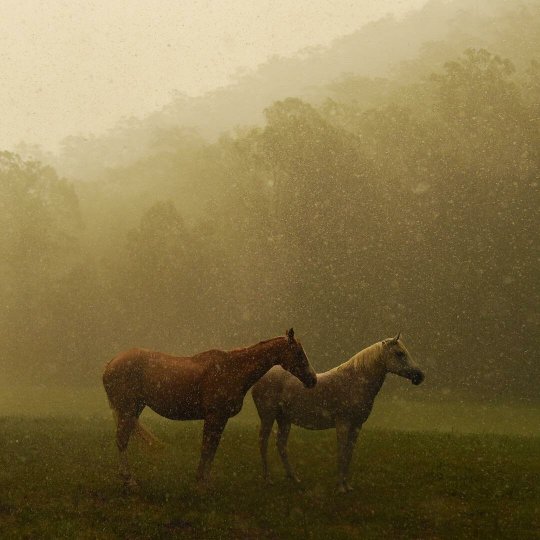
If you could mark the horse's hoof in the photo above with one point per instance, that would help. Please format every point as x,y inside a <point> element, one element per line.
<point>342,488</point>
<point>348,487</point>
<point>295,479</point>
<point>202,487</point>
<point>131,486</point>
<point>268,481</point>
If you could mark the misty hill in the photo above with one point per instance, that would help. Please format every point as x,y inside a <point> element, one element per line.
<point>373,204</point>
<point>391,49</point>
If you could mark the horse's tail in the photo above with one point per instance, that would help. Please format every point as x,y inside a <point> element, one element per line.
<point>142,433</point>
<point>149,439</point>
<point>113,381</point>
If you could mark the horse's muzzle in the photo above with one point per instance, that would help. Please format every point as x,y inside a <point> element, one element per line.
<point>311,381</point>
<point>417,377</point>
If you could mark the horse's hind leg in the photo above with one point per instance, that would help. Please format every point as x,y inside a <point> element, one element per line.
<point>126,423</point>
<point>264,434</point>
<point>284,427</point>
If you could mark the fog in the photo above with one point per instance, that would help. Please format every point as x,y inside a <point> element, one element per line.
<point>199,177</point>
<point>80,67</point>
<point>192,176</point>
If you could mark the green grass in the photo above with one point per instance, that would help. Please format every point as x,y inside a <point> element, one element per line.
<point>58,480</point>
<point>390,412</point>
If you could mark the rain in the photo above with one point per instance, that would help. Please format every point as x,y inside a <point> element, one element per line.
<point>321,202</point>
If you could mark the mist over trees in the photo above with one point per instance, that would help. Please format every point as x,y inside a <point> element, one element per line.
<point>400,198</point>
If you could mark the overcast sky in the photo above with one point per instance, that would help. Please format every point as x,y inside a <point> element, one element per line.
<point>77,66</point>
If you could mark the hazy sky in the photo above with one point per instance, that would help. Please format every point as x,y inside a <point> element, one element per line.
<point>76,66</point>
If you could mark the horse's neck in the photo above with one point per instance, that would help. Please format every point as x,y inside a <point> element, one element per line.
<point>368,370</point>
<point>252,363</point>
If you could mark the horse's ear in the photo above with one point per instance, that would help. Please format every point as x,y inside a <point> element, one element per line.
<point>397,337</point>
<point>290,335</point>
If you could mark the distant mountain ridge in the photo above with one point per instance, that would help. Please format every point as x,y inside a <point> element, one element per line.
<point>420,41</point>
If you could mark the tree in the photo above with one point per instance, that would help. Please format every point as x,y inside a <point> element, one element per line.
<point>169,284</point>
<point>40,220</point>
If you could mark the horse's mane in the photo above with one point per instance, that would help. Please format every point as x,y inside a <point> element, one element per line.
<point>365,359</point>
<point>255,345</point>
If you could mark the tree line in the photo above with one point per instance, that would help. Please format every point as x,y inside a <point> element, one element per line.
<point>348,222</point>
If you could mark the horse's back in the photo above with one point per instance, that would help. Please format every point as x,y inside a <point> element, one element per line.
<point>128,369</point>
<point>133,362</point>
<point>123,362</point>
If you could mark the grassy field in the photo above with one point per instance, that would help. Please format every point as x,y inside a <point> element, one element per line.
<point>390,412</point>
<point>58,480</point>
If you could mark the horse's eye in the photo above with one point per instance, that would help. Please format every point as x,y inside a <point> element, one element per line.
<point>401,354</point>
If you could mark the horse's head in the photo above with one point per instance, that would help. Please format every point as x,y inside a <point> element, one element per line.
<point>399,361</point>
<point>295,361</point>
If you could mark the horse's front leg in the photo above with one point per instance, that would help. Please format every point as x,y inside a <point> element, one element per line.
<point>346,438</point>
<point>351,442</point>
<point>213,428</point>
<point>284,427</point>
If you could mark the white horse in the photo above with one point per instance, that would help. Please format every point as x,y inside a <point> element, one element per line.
<point>342,399</point>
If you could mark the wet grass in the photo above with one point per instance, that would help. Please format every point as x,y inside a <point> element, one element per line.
<point>58,480</point>
<point>446,414</point>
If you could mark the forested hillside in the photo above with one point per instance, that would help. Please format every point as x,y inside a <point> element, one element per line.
<point>400,196</point>
<point>401,51</point>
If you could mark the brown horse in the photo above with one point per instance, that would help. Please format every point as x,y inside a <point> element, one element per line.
<point>209,386</point>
